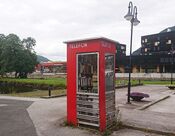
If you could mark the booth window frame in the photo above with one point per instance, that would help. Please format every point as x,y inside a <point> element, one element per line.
<point>110,54</point>
<point>80,54</point>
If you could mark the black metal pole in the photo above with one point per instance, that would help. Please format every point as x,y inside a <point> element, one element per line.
<point>49,89</point>
<point>172,62</point>
<point>130,64</point>
<point>171,72</point>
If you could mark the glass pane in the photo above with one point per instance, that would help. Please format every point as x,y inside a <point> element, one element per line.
<point>87,73</point>
<point>109,72</point>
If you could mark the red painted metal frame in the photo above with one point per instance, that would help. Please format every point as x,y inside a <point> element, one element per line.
<point>101,45</point>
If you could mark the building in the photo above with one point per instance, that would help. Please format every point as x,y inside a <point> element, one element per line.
<point>156,54</point>
<point>52,67</point>
<point>120,55</point>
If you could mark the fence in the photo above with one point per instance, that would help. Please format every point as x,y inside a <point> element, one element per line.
<point>162,76</point>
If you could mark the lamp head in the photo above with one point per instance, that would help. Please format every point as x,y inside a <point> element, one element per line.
<point>129,15</point>
<point>135,20</point>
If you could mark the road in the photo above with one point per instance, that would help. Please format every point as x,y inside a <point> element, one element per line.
<point>14,118</point>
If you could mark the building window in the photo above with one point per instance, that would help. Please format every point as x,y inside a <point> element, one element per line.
<point>168,42</point>
<point>156,43</point>
<point>146,40</point>
<point>122,47</point>
<point>146,49</point>
<point>143,41</point>
<point>166,60</point>
<point>154,48</point>
<point>162,60</point>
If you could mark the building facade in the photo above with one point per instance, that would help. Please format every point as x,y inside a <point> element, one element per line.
<point>52,67</point>
<point>156,54</point>
<point>120,58</point>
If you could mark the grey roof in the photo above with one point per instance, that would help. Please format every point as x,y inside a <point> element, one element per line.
<point>93,38</point>
<point>169,29</point>
<point>137,52</point>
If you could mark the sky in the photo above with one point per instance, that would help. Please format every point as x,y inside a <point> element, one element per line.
<point>51,22</point>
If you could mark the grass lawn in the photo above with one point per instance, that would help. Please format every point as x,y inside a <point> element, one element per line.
<point>125,82</point>
<point>62,83</point>
<point>37,93</point>
<point>156,82</point>
<point>47,81</point>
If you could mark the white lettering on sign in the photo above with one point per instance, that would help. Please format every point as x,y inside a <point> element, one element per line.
<point>78,45</point>
<point>106,44</point>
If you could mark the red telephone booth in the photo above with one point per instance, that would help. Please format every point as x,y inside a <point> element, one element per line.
<point>90,82</point>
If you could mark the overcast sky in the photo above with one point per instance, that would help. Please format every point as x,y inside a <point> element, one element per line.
<point>51,22</point>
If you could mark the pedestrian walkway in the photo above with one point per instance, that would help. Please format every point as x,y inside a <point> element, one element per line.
<point>159,117</point>
<point>149,121</point>
<point>132,132</point>
<point>49,115</point>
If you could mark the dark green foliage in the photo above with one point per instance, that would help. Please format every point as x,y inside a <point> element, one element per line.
<point>29,43</point>
<point>17,55</point>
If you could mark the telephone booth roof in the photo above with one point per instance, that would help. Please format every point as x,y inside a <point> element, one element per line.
<point>93,38</point>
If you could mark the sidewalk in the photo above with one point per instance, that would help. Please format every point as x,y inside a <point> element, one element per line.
<point>159,117</point>
<point>48,115</point>
<point>148,120</point>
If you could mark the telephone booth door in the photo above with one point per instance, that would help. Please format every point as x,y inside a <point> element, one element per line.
<point>88,89</point>
<point>110,89</point>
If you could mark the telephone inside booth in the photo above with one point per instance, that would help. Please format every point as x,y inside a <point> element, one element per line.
<point>87,73</point>
<point>87,89</point>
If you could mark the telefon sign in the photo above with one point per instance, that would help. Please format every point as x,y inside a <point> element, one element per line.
<point>78,45</point>
<point>106,44</point>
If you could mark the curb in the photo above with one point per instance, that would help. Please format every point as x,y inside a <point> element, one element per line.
<point>124,86</point>
<point>149,130</point>
<point>153,102</point>
<point>53,96</point>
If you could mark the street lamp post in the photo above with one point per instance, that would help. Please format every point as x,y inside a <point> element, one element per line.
<point>132,17</point>
<point>172,62</point>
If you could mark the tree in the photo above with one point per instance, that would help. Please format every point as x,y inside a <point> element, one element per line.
<point>17,56</point>
<point>29,43</point>
<point>2,40</point>
<point>26,63</point>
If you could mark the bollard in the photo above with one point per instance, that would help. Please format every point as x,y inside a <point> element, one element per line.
<point>49,91</point>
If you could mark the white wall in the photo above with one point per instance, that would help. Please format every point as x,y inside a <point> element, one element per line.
<point>146,75</point>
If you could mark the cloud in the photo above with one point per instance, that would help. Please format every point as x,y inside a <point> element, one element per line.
<point>51,22</point>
